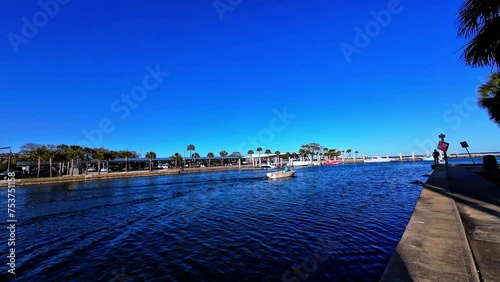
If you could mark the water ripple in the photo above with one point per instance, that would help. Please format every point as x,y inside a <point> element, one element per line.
<point>336,223</point>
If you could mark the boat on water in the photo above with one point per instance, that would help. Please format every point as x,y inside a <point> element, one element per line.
<point>330,162</point>
<point>295,163</point>
<point>377,159</point>
<point>267,165</point>
<point>431,159</point>
<point>280,174</point>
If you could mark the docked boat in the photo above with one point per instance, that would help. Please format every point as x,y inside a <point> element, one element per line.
<point>330,162</point>
<point>280,174</point>
<point>431,159</point>
<point>377,159</point>
<point>267,165</point>
<point>300,163</point>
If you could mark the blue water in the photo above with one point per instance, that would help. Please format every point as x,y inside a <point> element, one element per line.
<point>330,223</point>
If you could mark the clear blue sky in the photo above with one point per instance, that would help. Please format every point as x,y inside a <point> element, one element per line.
<point>274,75</point>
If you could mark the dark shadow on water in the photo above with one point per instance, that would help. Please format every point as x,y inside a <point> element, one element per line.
<point>397,269</point>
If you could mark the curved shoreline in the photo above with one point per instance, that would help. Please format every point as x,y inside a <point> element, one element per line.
<point>118,175</point>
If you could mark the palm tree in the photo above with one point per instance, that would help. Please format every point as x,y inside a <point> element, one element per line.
<point>38,154</point>
<point>210,156</point>
<point>489,99</point>
<point>195,156</point>
<point>87,157</point>
<point>250,152</point>
<point>126,154</point>
<point>176,157</point>
<point>338,153</point>
<point>349,152</point>
<point>150,156</point>
<point>267,153</point>
<point>325,152</point>
<point>75,153</point>
<point>259,149</point>
<point>62,156</point>
<point>479,23</point>
<point>34,152</point>
<point>287,155</point>
<point>190,148</point>
<point>223,154</point>
<point>98,154</point>
<point>109,155</point>
<point>50,153</point>
<point>172,161</point>
<point>356,154</point>
<point>302,153</point>
<point>277,156</point>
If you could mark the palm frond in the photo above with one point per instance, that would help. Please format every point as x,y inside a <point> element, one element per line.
<point>473,14</point>
<point>484,49</point>
<point>489,99</point>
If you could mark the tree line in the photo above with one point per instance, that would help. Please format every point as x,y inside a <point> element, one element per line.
<point>311,149</point>
<point>67,156</point>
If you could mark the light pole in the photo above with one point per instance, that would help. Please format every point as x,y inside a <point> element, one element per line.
<point>10,153</point>
<point>442,136</point>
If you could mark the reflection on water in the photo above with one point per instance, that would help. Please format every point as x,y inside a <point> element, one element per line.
<point>338,222</point>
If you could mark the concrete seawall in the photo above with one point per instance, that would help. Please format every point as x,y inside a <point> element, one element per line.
<point>434,245</point>
<point>454,232</point>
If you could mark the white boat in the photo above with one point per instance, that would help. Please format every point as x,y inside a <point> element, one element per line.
<point>316,163</point>
<point>267,165</point>
<point>330,162</point>
<point>431,159</point>
<point>299,163</point>
<point>280,174</point>
<point>377,159</point>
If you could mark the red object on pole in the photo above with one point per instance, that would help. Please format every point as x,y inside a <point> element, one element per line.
<point>443,146</point>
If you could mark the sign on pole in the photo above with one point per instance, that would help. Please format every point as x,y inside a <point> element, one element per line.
<point>443,146</point>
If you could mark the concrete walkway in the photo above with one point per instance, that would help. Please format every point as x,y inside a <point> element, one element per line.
<point>454,232</point>
<point>478,203</point>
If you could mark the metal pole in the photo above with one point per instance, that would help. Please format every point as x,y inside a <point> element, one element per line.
<point>470,155</point>
<point>10,153</point>
<point>8,165</point>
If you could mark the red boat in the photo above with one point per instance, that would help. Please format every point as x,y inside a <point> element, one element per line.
<point>330,162</point>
